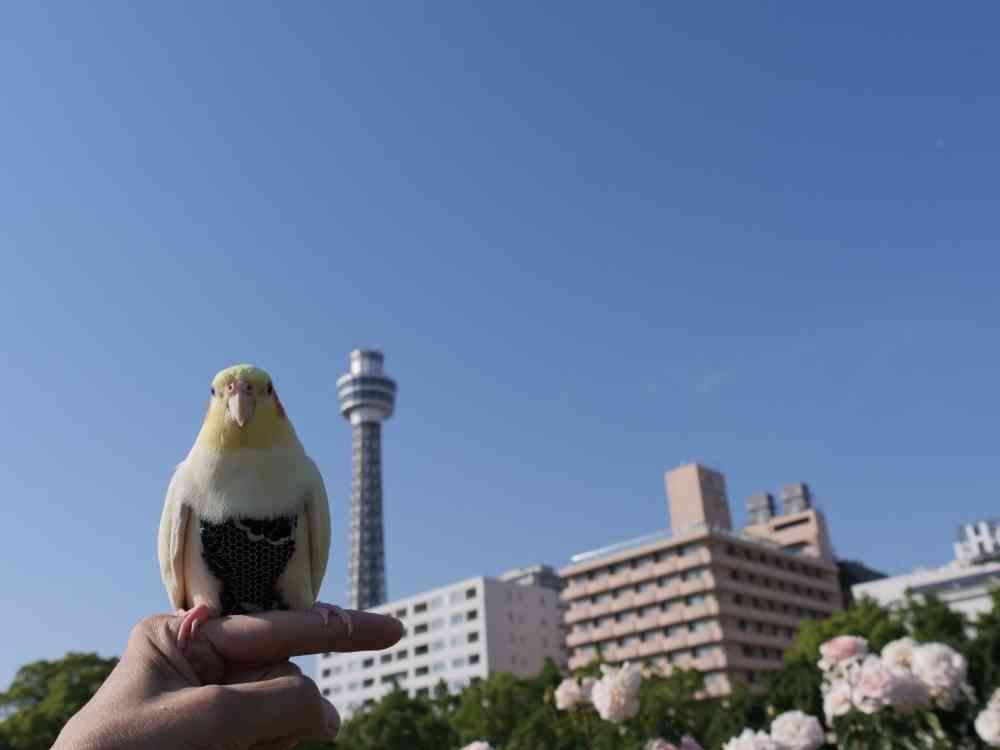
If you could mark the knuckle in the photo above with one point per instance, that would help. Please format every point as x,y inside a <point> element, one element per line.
<point>148,628</point>
<point>303,686</point>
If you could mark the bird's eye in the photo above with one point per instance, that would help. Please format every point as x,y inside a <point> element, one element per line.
<point>212,390</point>
<point>270,389</point>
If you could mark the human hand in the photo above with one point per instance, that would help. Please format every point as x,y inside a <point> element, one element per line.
<point>231,688</point>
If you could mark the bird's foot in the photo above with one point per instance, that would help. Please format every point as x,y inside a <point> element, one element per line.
<point>324,610</point>
<point>192,619</point>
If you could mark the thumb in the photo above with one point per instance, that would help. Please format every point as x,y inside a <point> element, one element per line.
<point>282,708</point>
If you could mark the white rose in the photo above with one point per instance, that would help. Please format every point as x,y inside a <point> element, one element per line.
<point>988,726</point>
<point>898,654</point>
<point>942,670</point>
<point>568,694</point>
<point>751,740</point>
<point>837,700</point>
<point>478,745</point>
<point>872,685</point>
<point>587,687</point>
<point>796,730</point>
<point>995,699</point>
<point>616,694</point>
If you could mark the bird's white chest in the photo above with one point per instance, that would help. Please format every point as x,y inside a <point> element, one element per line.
<point>243,484</point>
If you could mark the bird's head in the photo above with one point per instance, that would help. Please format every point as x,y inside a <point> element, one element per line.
<point>244,412</point>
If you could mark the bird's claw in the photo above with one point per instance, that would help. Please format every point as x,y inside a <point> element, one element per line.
<point>324,610</point>
<point>192,619</point>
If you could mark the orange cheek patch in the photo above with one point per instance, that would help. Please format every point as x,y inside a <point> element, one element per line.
<point>277,403</point>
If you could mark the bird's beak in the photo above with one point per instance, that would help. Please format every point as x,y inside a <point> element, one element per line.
<point>240,404</point>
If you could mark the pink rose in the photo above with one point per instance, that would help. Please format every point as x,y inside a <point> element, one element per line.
<point>841,649</point>
<point>874,684</point>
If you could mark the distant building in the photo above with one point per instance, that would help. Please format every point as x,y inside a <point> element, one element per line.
<point>702,595</point>
<point>458,633</point>
<point>853,572</point>
<point>964,584</point>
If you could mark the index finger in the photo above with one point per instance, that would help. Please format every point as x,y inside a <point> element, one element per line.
<point>275,636</point>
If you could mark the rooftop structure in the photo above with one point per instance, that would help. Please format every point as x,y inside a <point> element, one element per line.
<point>965,584</point>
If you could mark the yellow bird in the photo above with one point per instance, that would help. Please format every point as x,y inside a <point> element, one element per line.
<point>246,522</point>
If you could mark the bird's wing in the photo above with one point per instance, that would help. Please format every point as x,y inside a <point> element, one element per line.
<point>318,511</point>
<point>173,532</point>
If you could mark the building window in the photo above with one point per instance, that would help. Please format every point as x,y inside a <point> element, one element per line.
<point>401,612</point>
<point>368,682</point>
<point>471,614</point>
<point>473,658</point>
<point>402,654</point>
<point>421,628</point>
<point>421,607</point>
<point>456,618</point>
<point>470,593</point>
<point>367,663</point>
<point>385,658</point>
<point>473,636</point>
<point>421,671</point>
<point>420,650</point>
<point>326,673</point>
<point>423,692</point>
<point>326,691</point>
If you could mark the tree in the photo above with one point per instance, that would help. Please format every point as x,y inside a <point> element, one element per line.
<point>397,722</point>
<point>866,618</point>
<point>927,618</point>
<point>984,651</point>
<point>45,694</point>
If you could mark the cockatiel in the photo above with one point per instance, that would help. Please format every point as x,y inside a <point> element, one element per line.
<point>246,524</point>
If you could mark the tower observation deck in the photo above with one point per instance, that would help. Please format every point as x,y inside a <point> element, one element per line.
<point>366,398</point>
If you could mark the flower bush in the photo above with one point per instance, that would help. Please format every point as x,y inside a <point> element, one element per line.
<point>988,721</point>
<point>867,697</point>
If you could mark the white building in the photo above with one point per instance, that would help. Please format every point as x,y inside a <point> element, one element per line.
<point>457,633</point>
<point>964,584</point>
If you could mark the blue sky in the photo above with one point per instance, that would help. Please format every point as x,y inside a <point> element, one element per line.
<point>594,243</point>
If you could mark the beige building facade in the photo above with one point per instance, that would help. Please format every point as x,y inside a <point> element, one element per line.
<point>703,595</point>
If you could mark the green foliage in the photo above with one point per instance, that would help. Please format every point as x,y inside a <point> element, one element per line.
<point>44,695</point>
<point>927,618</point>
<point>397,721</point>
<point>983,652</point>
<point>866,618</point>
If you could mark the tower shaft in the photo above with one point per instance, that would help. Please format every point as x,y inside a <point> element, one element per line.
<point>367,397</point>
<point>366,568</point>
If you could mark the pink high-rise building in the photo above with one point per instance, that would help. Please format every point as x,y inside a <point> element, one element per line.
<point>703,595</point>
